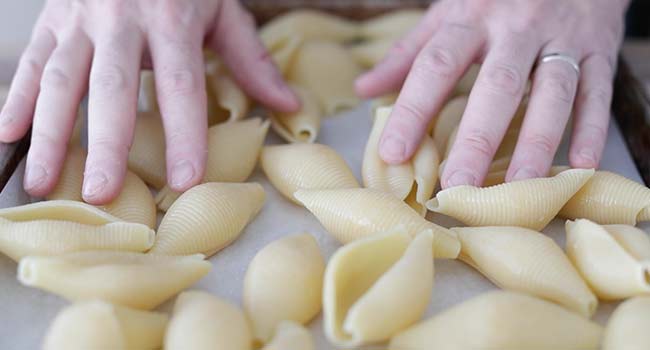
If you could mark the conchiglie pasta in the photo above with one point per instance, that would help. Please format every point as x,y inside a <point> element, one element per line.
<point>502,320</point>
<point>283,282</point>
<point>229,97</point>
<point>134,203</point>
<point>526,261</point>
<point>386,100</point>
<point>305,166</point>
<point>627,328</point>
<point>77,129</point>
<point>71,177</point>
<point>611,271</point>
<point>377,286</point>
<point>632,239</point>
<point>147,154</point>
<point>291,336</point>
<point>203,321</point>
<point>350,214</point>
<point>283,54</point>
<point>528,203</point>
<point>141,281</point>
<point>447,121</point>
<point>96,324</point>
<point>64,210</point>
<point>392,24</point>
<point>465,84</point>
<point>301,126</point>
<point>369,53</point>
<point>147,100</point>
<point>207,218</point>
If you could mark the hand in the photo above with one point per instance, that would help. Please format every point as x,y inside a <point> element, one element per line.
<point>99,45</point>
<point>507,36</point>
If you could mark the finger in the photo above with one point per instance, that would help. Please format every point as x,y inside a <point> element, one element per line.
<point>177,55</point>
<point>18,111</point>
<point>492,103</point>
<point>549,107</point>
<point>112,101</point>
<point>592,112</point>
<point>434,73</point>
<point>62,87</point>
<point>235,40</point>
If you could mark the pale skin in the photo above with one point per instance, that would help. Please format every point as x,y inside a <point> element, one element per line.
<point>100,46</point>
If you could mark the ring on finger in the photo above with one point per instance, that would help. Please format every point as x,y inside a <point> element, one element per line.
<point>557,56</point>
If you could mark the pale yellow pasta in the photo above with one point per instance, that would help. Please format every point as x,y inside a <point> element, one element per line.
<point>283,54</point>
<point>291,336</point>
<point>413,181</point>
<point>465,84</point>
<point>141,281</point>
<point>627,327</point>
<point>497,177</point>
<point>386,100</point>
<point>610,270</point>
<point>350,214</point>
<point>203,321</point>
<point>283,282</point>
<point>233,150</point>
<point>147,100</point>
<point>392,24</point>
<point>505,321</point>
<point>229,97</point>
<point>134,203</point>
<point>96,324</point>
<point>328,70</point>
<point>71,176</point>
<point>77,130</point>
<point>377,286</point>
<point>632,239</point>
<point>447,121</point>
<point>369,53</point>
<point>64,210</point>
<point>526,261</point>
<point>305,166</point>
<point>207,218</point>
<point>528,203</point>
<point>610,198</point>
<point>301,126</point>
<point>147,154</point>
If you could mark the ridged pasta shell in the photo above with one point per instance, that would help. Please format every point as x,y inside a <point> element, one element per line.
<point>528,203</point>
<point>96,324</point>
<point>377,286</point>
<point>141,281</point>
<point>611,271</point>
<point>350,214</point>
<point>627,327</point>
<point>207,218</point>
<point>64,210</point>
<point>291,336</point>
<point>134,203</point>
<point>526,261</point>
<point>369,53</point>
<point>71,177</point>
<point>147,153</point>
<point>203,321</point>
<point>284,52</point>
<point>392,24</point>
<point>505,321</point>
<point>53,237</point>
<point>229,97</point>
<point>283,282</point>
<point>305,166</point>
<point>610,198</point>
<point>447,121</point>
<point>303,125</point>
<point>634,240</point>
<point>328,70</point>
<point>147,98</point>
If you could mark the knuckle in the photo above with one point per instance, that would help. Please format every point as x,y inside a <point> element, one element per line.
<point>503,78</point>
<point>110,78</point>
<point>45,139</point>
<point>559,86</point>
<point>55,78</point>
<point>177,14</point>
<point>438,61</point>
<point>478,141</point>
<point>410,114</point>
<point>179,82</point>
<point>593,131</point>
<point>541,142</point>
<point>600,95</point>
<point>107,145</point>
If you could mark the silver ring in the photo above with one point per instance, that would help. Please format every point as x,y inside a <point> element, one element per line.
<point>556,56</point>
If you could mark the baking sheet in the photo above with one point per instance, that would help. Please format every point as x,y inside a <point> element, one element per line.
<point>25,313</point>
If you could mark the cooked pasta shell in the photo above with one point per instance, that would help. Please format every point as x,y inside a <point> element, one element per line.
<point>632,239</point>
<point>305,166</point>
<point>349,214</point>
<point>291,336</point>
<point>63,210</point>
<point>229,97</point>
<point>203,321</point>
<point>147,154</point>
<point>96,324</point>
<point>611,271</point>
<point>141,281</point>
<point>147,100</point>
<point>447,121</point>
<point>610,198</point>
<point>392,24</point>
<point>528,203</point>
<point>627,328</point>
<point>526,261</point>
<point>71,176</point>
<point>502,320</point>
<point>377,286</point>
<point>369,53</point>
<point>301,126</point>
<point>134,203</point>
<point>328,70</point>
<point>283,282</point>
<point>207,218</point>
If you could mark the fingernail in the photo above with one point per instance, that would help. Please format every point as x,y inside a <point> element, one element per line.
<point>34,176</point>
<point>460,178</point>
<point>94,183</point>
<point>588,156</point>
<point>182,172</point>
<point>393,150</point>
<point>524,174</point>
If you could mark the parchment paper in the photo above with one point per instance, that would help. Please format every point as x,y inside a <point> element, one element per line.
<point>25,313</point>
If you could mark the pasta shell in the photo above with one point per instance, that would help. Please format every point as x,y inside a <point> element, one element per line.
<point>502,320</point>
<point>63,210</point>
<point>632,239</point>
<point>141,281</point>
<point>147,100</point>
<point>301,126</point>
<point>283,54</point>
<point>96,324</point>
<point>609,198</point>
<point>71,177</point>
<point>611,271</point>
<point>526,261</point>
<point>283,282</point>
<point>305,166</point>
<point>447,121</point>
<point>369,53</point>
<point>328,70</point>
<point>386,100</point>
<point>77,129</point>
<point>392,24</point>
<point>465,84</point>
<point>207,218</point>
<point>147,154</point>
<point>627,328</point>
<point>229,97</point>
<point>413,181</point>
<point>377,286</point>
<point>135,202</point>
<point>527,203</point>
<point>291,336</point>
<point>203,321</point>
